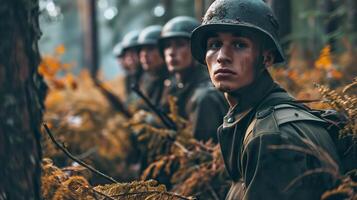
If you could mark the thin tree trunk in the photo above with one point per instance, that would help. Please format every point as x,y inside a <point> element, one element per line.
<point>351,20</point>
<point>22,92</point>
<point>201,7</point>
<point>282,11</point>
<point>329,6</point>
<point>89,19</point>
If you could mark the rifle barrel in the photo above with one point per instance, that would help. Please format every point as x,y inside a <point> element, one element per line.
<point>163,117</point>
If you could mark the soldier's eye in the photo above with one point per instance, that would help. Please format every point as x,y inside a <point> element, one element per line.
<point>182,42</point>
<point>213,44</point>
<point>239,45</point>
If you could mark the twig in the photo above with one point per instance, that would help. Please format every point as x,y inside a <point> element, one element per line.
<point>153,192</point>
<point>214,194</point>
<point>179,145</point>
<point>87,153</point>
<point>106,196</point>
<point>76,159</point>
<point>113,99</point>
<point>307,173</point>
<point>349,86</point>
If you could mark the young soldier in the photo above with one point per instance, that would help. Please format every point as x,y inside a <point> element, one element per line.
<point>127,55</point>
<point>152,62</point>
<point>238,41</point>
<point>197,99</point>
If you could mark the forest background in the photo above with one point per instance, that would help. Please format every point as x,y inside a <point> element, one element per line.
<point>51,50</point>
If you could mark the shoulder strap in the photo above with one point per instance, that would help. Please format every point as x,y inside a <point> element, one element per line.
<point>279,108</point>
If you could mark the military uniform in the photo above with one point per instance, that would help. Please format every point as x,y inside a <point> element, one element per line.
<point>272,149</point>
<point>199,102</point>
<point>260,172</point>
<point>197,99</point>
<point>130,41</point>
<point>153,85</point>
<point>129,81</point>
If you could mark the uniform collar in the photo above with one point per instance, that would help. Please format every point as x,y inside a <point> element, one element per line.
<point>192,75</point>
<point>159,74</point>
<point>248,97</point>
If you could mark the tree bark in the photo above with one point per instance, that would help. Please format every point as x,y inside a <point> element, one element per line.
<point>22,93</point>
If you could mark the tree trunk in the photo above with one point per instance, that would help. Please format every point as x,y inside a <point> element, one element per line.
<point>329,6</point>
<point>22,92</point>
<point>351,20</point>
<point>282,11</point>
<point>201,7</point>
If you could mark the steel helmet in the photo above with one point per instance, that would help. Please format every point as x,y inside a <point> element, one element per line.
<point>130,40</point>
<point>118,50</point>
<point>150,35</point>
<point>181,26</point>
<point>231,15</point>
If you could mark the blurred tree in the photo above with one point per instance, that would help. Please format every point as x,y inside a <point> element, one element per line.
<point>351,20</point>
<point>22,93</point>
<point>282,10</point>
<point>332,23</point>
<point>200,7</point>
<point>90,33</point>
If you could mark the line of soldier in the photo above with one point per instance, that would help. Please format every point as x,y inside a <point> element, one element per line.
<point>271,144</point>
<point>158,60</point>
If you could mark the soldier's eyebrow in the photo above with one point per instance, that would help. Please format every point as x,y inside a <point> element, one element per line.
<point>211,35</point>
<point>239,34</point>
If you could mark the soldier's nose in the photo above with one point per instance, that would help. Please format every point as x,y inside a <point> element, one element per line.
<point>223,55</point>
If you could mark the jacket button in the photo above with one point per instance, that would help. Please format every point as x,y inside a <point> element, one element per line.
<point>230,120</point>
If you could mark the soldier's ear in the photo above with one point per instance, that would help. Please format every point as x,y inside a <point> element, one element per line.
<point>268,57</point>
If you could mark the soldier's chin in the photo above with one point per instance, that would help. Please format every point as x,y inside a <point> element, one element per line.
<point>223,88</point>
<point>176,69</point>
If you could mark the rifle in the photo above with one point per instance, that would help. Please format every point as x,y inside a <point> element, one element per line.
<point>166,120</point>
<point>113,100</point>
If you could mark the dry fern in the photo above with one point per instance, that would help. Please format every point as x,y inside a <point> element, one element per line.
<point>343,103</point>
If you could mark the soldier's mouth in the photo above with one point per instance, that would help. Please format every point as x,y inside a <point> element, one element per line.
<point>223,71</point>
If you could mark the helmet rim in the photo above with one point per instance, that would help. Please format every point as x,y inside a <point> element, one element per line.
<point>199,34</point>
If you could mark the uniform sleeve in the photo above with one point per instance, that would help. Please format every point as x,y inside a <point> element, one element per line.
<point>207,114</point>
<point>271,173</point>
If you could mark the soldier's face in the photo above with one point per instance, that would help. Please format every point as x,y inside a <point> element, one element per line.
<point>130,60</point>
<point>230,59</point>
<point>177,53</point>
<point>150,58</point>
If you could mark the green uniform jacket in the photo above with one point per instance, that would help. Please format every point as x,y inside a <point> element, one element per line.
<point>153,85</point>
<point>199,102</point>
<point>130,81</point>
<point>267,150</point>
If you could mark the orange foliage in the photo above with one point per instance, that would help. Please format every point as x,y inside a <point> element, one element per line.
<point>50,66</point>
<point>60,49</point>
<point>324,61</point>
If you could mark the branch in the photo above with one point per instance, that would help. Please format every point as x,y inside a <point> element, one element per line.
<point>214,194</point>
<point>153,192</point>
<point>100,193</point>
<point>113,99</point>
<point>76,159</point>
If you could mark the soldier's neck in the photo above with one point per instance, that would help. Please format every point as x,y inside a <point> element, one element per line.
<point>186,75</point>
<point>252,94</point>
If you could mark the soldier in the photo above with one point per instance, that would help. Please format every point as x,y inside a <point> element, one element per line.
<point>197,99</point>
<point>127,55</point>
<point>153,63</point>
<point>238,41</point>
